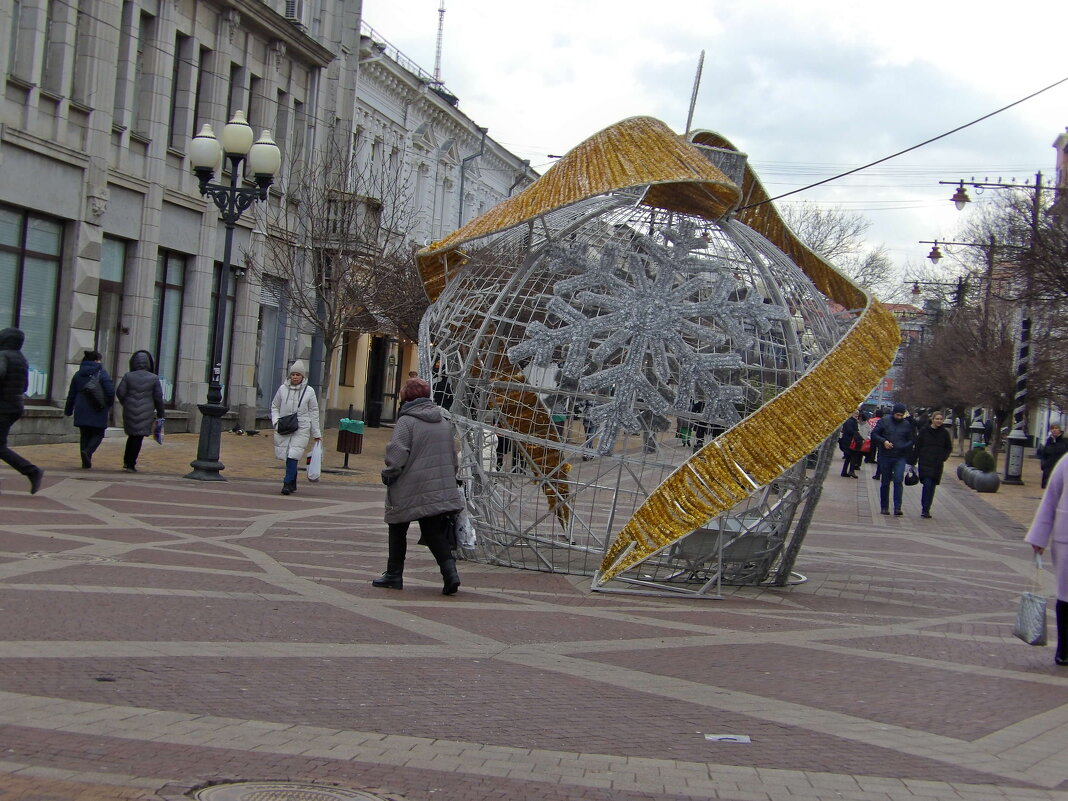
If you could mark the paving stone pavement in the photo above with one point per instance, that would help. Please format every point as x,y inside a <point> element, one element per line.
<point>158,635</point>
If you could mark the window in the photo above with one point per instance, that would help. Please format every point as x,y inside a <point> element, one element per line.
<point>109,301</point>
<point>144,80</point>
<point>348,358</point>
<point>15,39</point>
<point>235,91</point>
<point>300,122</point>
<point>30,250</point>
<point>167,317</point>
<point>182,98</point>
<point>228,328</point>
<point>281,123</point>
<point>122,74</point>
<point>83,46</point>
<point>203,75</point>
<point>256,113</point>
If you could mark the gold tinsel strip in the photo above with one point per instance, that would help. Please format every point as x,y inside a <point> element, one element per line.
<point>638,151</point>
<point>643,152</point>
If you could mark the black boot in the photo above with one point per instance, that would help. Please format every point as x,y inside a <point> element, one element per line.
<point>1061,657</point>
<point>450,577</point>
<point>391,581</point>
<point>289,487</point>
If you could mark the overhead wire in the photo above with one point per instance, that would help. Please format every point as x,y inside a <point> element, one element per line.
<point>908,149</point>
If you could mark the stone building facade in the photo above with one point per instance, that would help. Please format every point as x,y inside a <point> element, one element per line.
<point>105,241</point>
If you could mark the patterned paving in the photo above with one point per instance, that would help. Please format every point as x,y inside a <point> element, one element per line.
<point>159,635</point>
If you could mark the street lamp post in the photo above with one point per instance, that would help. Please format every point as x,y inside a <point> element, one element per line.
<point>206,154</point>
<point>1017,439</point>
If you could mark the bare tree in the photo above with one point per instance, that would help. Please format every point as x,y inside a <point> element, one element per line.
<point>966,360</point>
<point>340,237</point>
<point>838,236</point>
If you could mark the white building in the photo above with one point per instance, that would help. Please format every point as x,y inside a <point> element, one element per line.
<point>105,241</point>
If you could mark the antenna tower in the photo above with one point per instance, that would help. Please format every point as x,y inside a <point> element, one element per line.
<point>441,35</point>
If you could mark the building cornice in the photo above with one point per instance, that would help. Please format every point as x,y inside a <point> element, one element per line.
<point>46,147</point>
<point>299,45</point>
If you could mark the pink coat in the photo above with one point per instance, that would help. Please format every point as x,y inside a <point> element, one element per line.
<point>1050,528</point>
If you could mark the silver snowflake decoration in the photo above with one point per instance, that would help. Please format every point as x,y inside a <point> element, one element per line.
<point>647,327</point>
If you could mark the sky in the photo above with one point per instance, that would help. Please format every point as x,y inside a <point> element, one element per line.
<point>807,88</point>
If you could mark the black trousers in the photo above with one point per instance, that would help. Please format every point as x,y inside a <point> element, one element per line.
<point>24,466</point>
<point>90,440</point>
<point>133,450</point>
<point>432,534</point>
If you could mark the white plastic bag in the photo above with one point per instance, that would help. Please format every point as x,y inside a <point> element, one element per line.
<point>465,530</point>
<point>315,462</point>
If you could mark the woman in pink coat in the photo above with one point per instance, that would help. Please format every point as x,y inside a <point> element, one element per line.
<point>1050,530</point>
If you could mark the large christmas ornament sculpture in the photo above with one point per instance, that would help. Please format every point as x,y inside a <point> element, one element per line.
<point>644,366</point>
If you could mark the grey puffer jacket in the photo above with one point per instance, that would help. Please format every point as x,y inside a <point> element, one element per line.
<point>14,372</point>
<point>141,396</point>
<point>421,465</point>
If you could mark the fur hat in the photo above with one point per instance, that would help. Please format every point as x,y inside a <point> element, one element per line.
<point>299,367</point>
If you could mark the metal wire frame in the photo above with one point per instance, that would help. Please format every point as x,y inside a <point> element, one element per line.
<point>570,347</point>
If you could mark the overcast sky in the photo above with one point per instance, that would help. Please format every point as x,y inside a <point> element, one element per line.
<point>808,88</point>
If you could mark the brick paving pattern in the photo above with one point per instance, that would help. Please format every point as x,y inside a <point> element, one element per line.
<point>159,635</point>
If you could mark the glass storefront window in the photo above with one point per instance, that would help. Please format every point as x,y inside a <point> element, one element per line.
<point>167,317</point>
<point>30,249</point>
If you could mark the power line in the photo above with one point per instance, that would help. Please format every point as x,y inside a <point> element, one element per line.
<point>908,149</point>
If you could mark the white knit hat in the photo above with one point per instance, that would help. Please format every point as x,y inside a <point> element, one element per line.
<point>299,367</point>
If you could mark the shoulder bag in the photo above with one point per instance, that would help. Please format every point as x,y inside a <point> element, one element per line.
<point>94,391</point>
<point>288,424</point>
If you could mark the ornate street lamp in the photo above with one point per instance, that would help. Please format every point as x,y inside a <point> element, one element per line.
<point>206,154</point>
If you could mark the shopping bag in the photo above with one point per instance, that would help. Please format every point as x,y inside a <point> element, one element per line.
<point>315,462</point>
<point>157,430</point>
<point>465,530</point>
<point>1031,613</point>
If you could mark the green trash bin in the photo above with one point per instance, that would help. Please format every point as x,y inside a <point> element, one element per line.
<point>350,436</point>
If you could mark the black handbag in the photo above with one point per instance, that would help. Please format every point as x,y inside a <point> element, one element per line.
<point>290,423</point>
<point>912,478</point>
<point>94,391</point>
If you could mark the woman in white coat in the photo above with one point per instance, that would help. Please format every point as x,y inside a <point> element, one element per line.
<point>1050,530</point>
<point>295,396</point>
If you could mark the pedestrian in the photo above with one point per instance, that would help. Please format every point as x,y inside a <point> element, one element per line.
<point>141,395</point>
<point>933,447</point>
<point>850,443</point>
<point>295,397</point>
<point>1050,530</point>
<point>14,381</point>
<point>1050,452</point>
<point>91,409</point>
<point>894,437</point>
<point>420,477</point>
<point>871,454</point>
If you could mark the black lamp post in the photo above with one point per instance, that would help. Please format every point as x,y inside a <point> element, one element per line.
<point>1017,439</point>
<point>206,155</point>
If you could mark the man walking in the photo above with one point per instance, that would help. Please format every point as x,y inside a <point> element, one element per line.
<point>14,381</point>
<point>894,438</point>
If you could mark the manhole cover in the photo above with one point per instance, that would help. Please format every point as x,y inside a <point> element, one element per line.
<point>279,791</point>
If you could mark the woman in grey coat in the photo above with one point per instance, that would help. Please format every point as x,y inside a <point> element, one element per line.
<point>420,475</point>
<point>141,396</point>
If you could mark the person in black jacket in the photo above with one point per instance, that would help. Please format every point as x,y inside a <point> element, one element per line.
<point>90,418</point>
<point>14,381</point>
<point>933,447</point>
<point>894,437</point>
<point>850,443</point>
<point>1051,451</point>
<point>141,396</point>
